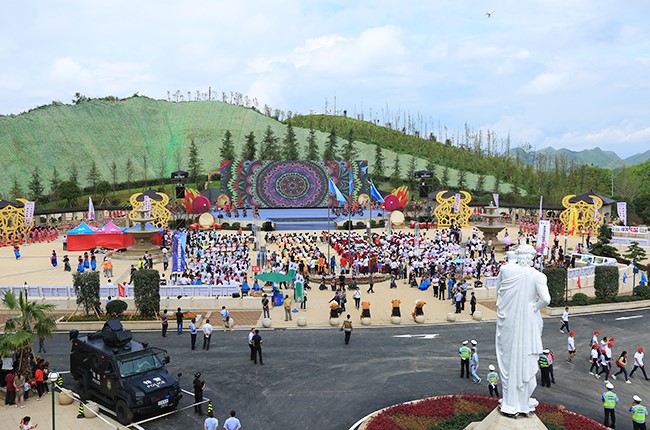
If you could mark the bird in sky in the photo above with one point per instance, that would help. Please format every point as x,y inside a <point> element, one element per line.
<point>489,14</point>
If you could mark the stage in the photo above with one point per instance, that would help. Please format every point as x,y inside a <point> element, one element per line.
<point>299,218</point>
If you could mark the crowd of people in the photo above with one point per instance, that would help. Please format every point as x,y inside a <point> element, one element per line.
<point>215,259</point>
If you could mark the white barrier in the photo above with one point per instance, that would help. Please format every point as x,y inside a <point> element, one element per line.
<point>581,271</point>
<point>104,291</point>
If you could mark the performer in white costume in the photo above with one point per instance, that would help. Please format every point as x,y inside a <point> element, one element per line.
<point>521,294</point>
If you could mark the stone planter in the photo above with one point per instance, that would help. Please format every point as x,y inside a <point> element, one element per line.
<point>419,319</point>
<point>302,321</point>
<point>396,320</point>
<point>478,316</point>
<point>65,397</point>
<point>451,317</point>
<point>266,322</point>
<point>89,408</point>
<point>334,322</point>
<point>365,321</point>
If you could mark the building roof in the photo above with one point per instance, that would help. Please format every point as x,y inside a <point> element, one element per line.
<point>586,197</point>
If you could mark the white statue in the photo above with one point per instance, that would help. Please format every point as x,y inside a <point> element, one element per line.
<point>521,294</point>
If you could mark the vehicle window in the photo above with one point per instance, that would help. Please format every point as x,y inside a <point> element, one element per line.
<point>139,365</point>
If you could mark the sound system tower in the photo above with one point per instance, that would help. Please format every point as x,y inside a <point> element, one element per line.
<point>180,192</point>
<point>424,190</point>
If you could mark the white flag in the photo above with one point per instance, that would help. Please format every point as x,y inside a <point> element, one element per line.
<point>495,197</point>
<point>596,214</point>
<point>621,208</point>
<point>457,203</point>
<point>146,205</point>
<point>543,235</point>
<point>29,213</point>
<point>541,199</point>
<point>91,209</point>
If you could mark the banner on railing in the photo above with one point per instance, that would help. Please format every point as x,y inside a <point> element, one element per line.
<point>581,271</point>
<point>490,282</point>
<point>178,252</point>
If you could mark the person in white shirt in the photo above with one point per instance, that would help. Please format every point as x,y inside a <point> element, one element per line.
<point>232,423</point>
<point>638,363</point>
<point>207,334</point>
<point>565,320</point>
<point>571,345</point>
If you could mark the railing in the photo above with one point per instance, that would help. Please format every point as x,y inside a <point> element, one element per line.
<point>165,291</point>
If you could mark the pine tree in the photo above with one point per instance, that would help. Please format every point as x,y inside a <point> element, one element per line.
<point>330,147</point>
<point>410,174</point>
<point>635,253</point>
<point>227,147</point>
<point>16,192</point>
<point>480,184</point>
<point>194,163</point>
<point>290,145</point>
<point>379,168</point>
<point>462,179</point>
<point>250,147</point>
<point>431,165</point>
<point>350,152</point>
<point>444,180</point>
<point>397,172</point>
<point>36,188</point>
<point>74,174</point>
<point>312,145</point>
<point>270,150</point>
<point>128,169</point>
<point>113,169</point>
<point>94,176</point>
<point>497,184</point>
<point>55,181</point>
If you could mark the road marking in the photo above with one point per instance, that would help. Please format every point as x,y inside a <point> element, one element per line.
<point>628,318</point>
<point>420,336</point>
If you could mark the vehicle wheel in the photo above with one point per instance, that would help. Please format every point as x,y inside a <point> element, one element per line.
<point>83,389</point>
<point>124,414</point>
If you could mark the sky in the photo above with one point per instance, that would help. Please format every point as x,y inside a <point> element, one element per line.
<point>561,73</point>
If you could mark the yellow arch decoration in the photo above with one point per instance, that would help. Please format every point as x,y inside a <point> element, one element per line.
<point>12,223</point>
<point>445,214</point>
<point>159,210</point>
<point>579,216</point>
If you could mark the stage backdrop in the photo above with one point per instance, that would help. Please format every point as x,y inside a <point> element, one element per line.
<point>290,184</point>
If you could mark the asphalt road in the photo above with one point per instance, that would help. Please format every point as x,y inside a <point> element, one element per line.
<point>311,380</point>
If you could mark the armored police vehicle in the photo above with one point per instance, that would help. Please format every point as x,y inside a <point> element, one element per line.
<point>126,375</point>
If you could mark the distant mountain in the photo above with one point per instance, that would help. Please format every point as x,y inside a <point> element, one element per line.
<point>637,158</point>
<point>596,157</point>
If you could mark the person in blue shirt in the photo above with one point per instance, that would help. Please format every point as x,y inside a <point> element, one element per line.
<point>211,423</point>
<point>473,363</point>
<point>232,423</point>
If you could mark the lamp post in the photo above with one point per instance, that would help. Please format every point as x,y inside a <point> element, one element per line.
<point>53,377</point>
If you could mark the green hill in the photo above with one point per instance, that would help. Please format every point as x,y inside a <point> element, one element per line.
<point>152,132</point>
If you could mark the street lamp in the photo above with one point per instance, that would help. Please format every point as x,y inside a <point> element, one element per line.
<point>53,377</point>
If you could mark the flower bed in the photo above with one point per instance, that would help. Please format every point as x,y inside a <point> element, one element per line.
<point>456,412</point>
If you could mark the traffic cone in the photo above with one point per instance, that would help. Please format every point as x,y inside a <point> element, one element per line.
<point>210,408</point>
<point>81,414</point>
<point>59,381</point>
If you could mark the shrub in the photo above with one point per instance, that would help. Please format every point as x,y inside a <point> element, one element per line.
<point>580,299</point>
<point>557,279</point>
<point>115,308</point>
<point>235,225</point>
<point>86,286</point>
<point>642,291</point>
<point>267,226</point>
<point>606,282</point>
<point>373,223</point>
<point>146,289</point>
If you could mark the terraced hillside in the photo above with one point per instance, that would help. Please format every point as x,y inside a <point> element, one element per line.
<point>152,132</point>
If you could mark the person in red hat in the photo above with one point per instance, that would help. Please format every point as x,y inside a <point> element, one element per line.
<point>638,363</point>
<point>571,345</point>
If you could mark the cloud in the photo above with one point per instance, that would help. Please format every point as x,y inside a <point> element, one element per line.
<point>98,77</point>
<point>545,83</point>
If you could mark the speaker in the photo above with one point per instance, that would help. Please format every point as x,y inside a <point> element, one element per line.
<point>180,192</point>
<point>424,190</point>
<point>235,295</point>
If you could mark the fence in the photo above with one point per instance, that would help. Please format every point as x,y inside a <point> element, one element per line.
<point>165,291</point>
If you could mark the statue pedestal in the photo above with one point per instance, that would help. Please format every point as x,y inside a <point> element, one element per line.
<point>497,421</point>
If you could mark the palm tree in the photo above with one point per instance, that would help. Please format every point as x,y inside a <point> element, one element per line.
<point>28,319</point>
